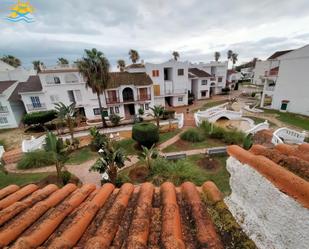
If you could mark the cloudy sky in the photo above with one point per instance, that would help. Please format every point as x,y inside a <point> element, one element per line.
<point>195,28</point>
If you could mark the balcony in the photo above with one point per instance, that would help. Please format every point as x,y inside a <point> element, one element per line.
<point>36,107</point>
<point>110,101</point>
<point>4,109</point>
<point>144,97</point>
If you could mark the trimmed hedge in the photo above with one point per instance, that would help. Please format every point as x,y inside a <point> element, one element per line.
<point>36,118</point>
<point>146,134</point>
<point>193,135</point>
<point>36,159</point>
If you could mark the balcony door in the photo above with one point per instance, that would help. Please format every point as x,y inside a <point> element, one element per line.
<point>127,94</point>
<point>112,96</point>
<point>36,103</point>
<point>143,94</point>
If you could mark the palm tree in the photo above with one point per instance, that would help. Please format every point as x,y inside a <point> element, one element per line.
<point>62,61</point>
<point>148,155</point>
<point>95,69</point>
<point>229,54</point>
<point>175,55</point>
<point>121,64</point>
<point>37,65</point>
<point>111,159</point>
<point>234,58</point>
<point>157,112</point>
<point>56,147</point>
<point>217,56</point>
<point>67,114</point>
<point>134,56</point>
<point>11,60</point>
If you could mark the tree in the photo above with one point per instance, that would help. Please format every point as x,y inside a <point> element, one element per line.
<point>11,60</point>
<point>157,113</point>
<point>62,61</point>
<point>121,64</point>
<point>217,56</point>
<point>134,56</point>
<point>56,146</point>
<point>67,114</point>
<point>175,55</point>
<point>37,65</point>
<point>95,69</point>
<point>111,159</point>
<point>148,155</point>
<point>234,58</point>
<point>229,54</point>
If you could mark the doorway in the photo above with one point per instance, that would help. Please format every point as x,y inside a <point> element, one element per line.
<point>168,101</point>
<point>129,111</point>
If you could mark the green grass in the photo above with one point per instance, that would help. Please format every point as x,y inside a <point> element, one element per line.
<point>294,119</point>
<point>210,104</point>
<point>82,155</point>
<point>20,179</point>
<point>168,135</point>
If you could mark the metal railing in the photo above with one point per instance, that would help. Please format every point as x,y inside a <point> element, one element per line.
<point>37,106</point>
<point>144,97</point>
<point>112,100</point>
<point>4,109</point>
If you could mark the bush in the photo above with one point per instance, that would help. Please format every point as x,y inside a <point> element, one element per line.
<point>226,90</point>
<point>253,94</point>
<point>146,134</point>
<point>247,143</point>
<point>115,119</point>
<point>39,118</point>
<point>66,177</point>
<point>168,114</point>
<point>193,135</point>
<point>36,159</point>
<point>98,140</point>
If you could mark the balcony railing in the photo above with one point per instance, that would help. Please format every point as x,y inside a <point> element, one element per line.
<point>36,107</point>
<point>4,109</point>
<point>112,100</point>
<point>128,98</point>
<point>144,97</point>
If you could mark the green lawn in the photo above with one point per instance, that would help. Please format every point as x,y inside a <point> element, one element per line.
<point>185,145</point>
<point>20,179</point>
<point>294,119</point>
<point>210,104</point>
<point>168,135</point>
<point>82,155</point>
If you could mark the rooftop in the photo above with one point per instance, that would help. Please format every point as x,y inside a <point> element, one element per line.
<point>124,78</point>
<point>135,65</point>
<point>130,217</point>
<point>5,85</point>
<point>278,53</point>
<point>195,72</point>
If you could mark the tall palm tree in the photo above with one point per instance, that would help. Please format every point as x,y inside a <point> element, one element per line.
<point>67,114</point>
<point>229,54</point>
<point>157,113</point>
<point>11,60</point>
<point>37,65</point>
<point>56,147</point>
<point>134,56</point>
<point>176,55</point>
<point>234,59</point>
<point>62,61</point>
<point>217,56</point>
<point>94,67</point>
<point>121,64</point>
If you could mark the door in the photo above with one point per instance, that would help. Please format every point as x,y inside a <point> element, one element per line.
<point>143,94</point>
<point>112,96</point>
<point>284,106</point>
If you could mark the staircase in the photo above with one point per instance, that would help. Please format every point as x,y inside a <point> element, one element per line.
<point>12,156</point>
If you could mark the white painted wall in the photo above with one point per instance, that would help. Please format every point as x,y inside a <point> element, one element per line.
<point>197,87</point>
<point>19,74</point>
<point>272,219</point>
<point>292,82</point>
<point>259,71</point>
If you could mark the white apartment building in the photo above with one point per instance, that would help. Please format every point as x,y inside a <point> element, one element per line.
<point>218,71</point>
<point>232,78</point>
<point>201,83</point>
<point>126,93</point>
<point>287,82</point>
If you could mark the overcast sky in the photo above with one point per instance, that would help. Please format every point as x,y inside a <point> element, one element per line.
<point>195,28</point>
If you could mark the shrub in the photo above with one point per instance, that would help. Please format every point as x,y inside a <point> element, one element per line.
<point>39,118</point>
<point>115,119</point>
<point>193,135</point>
<point>247,143</point>
<point>226,90</point>
<point>66,177</point>
<point>141,111</point>
<point>253,94</point>
<point>168,114</point>
<point>146,134</point>
<point>36,159</point>
<point>98,140</point>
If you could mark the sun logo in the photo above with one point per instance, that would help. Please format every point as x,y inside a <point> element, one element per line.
<point>22,11</point>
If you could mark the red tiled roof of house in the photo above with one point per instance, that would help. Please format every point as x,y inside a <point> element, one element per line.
<point>5,85</point>
<point>131,217</point>
<point>279,53</point>
<point>285,166</point>
<point>198,73</point>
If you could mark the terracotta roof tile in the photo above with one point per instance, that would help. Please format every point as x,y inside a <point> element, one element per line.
<point>284,178</point>
<point>132,217</point>
<point>197,73</point>
<point>5,85</point>
<point>124,78</point>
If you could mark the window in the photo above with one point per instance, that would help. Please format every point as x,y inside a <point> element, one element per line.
<point>71,96</point>
<point>71,78</point>
<point>204,82</point>
<point>155,73</point>
<point>181,71</point>
<point>203,93</point>
<point>180,99</point>
<point>3,120</point>
<point>111,110</point>
<point>147,106</point>
<point>36,103</point>
<point>116,109</point>
<point>54,98</point>
<point>219,79</point>
<point>97,112</point>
